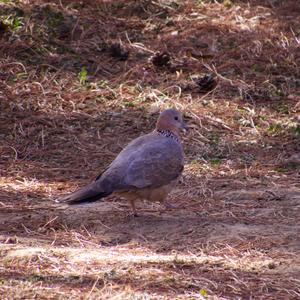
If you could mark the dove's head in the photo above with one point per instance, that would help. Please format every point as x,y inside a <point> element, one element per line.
<point>170,119</point>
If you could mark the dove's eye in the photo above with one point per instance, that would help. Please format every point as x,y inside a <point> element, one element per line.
<point>176,118</point>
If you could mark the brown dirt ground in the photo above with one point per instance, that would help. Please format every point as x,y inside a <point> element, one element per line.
<point>236,232</point>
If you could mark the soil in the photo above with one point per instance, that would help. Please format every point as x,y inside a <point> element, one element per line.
<point>78,82</point>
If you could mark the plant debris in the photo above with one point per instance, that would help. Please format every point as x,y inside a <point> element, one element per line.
<point>118,51</point>
<point>71,99</point>
<point>206,82</point>
<point>161,59</point>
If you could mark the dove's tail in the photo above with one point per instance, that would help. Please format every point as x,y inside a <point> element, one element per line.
<point>88,194</point>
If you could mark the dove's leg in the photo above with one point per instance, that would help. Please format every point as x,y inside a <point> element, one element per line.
<point>169,205</point>
<point>132,204</point>
<point>131,197</point>
<point>161,194</point>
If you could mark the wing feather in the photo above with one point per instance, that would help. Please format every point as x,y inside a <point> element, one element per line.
<point>157,165</point>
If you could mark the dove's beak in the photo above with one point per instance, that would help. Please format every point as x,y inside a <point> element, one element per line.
<point>184,127</point>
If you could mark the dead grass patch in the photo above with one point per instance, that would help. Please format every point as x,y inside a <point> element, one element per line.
<point>77,83</point>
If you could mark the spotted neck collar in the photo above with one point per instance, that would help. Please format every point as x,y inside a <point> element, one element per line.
<point>167,134</point>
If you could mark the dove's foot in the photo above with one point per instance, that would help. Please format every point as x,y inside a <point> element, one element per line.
<point>170,206</point>
<point>132,204</point>
<point>132,215</point>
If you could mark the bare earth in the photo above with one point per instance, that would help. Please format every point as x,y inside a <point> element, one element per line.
<point>78,81</point>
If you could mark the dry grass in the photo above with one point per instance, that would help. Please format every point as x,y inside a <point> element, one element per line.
<point>70,99</point>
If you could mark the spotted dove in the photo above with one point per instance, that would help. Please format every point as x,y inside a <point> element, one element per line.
<point>146,168</point>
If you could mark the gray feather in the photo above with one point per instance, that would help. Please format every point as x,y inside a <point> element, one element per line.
<point>149,161</point>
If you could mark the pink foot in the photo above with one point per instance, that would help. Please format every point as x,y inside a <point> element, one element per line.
<point>171,206</point>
